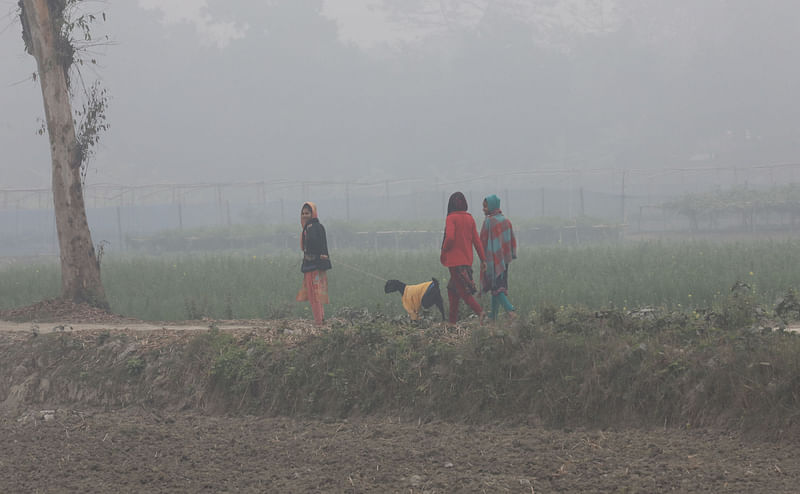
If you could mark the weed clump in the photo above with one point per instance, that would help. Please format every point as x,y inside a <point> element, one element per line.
<point>134,366</point>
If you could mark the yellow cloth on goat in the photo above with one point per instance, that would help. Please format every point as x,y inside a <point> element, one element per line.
<point>412,298</point>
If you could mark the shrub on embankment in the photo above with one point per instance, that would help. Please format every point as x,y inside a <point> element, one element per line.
<point>563,367</point>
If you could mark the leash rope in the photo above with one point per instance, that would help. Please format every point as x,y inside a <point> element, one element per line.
<point>361,271</point>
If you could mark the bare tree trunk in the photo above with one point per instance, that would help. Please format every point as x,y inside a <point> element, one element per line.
<point>80,269</point>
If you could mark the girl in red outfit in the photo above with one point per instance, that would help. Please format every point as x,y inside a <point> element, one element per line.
<point>460,236</point>
<point>316,262</point>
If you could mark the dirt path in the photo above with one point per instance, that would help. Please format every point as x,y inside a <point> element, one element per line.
<point>59,315</point>
<point>55,315</point>
<point>51,327</point>
<point>139,450</point>
<point>273,328</point>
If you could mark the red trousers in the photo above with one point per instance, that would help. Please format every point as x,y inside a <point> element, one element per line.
<point>460,288</point>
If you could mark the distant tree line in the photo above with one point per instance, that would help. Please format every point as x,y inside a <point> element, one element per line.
<point>741,203</point>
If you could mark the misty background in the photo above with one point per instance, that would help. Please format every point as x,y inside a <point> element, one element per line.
<point>234,111</point>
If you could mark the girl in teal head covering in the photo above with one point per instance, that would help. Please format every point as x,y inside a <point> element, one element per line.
<point>500,245</point>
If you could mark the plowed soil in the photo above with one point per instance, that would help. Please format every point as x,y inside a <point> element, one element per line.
<point>139,450</point>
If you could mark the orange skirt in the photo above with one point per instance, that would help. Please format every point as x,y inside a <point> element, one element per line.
<point>315,288</point>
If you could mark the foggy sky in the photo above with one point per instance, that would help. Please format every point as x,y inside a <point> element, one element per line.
<point>234,90</point>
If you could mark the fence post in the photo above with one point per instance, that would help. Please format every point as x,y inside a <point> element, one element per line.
<point>347,200</point>
<point>180,216</point>
<point>641,208</point>
<point>542,201</point>
<point>622,199</point>
<point>119,227</point>
<point>262,190</point>
<point>219,203</point>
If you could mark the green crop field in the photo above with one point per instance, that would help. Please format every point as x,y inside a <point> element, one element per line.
<point>235,285</point>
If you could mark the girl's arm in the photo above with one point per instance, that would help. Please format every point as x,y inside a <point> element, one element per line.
<point>449,234</point>
<point>476,241</point>
<point>513,241</point>
<point>323,243</point>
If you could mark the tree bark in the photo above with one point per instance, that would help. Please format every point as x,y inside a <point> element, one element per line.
<point>80,269</point>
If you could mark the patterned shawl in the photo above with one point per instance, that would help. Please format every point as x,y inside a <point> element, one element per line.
<point>498,241</point>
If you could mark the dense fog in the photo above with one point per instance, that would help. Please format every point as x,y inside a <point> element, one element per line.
<point>373,90</point>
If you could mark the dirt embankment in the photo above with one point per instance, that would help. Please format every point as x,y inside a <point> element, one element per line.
<point>56,352</point>
<point>152,425</point>
<point>118,364</point>
<point>99,403</point>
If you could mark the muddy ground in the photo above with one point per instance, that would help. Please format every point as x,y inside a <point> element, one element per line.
<point>138,449</point>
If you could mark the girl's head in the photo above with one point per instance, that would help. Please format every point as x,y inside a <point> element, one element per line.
<point>457,202</point>
<point>491,204</point>
<point>308,211</point>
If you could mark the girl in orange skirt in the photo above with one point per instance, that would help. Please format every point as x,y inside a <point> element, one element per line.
<point>316,262</point>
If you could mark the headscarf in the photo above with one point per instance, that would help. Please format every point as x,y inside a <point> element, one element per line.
<point>457,202</point>
<point>494,216</point>
<point>305,223</point>
<point>492,203</point>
